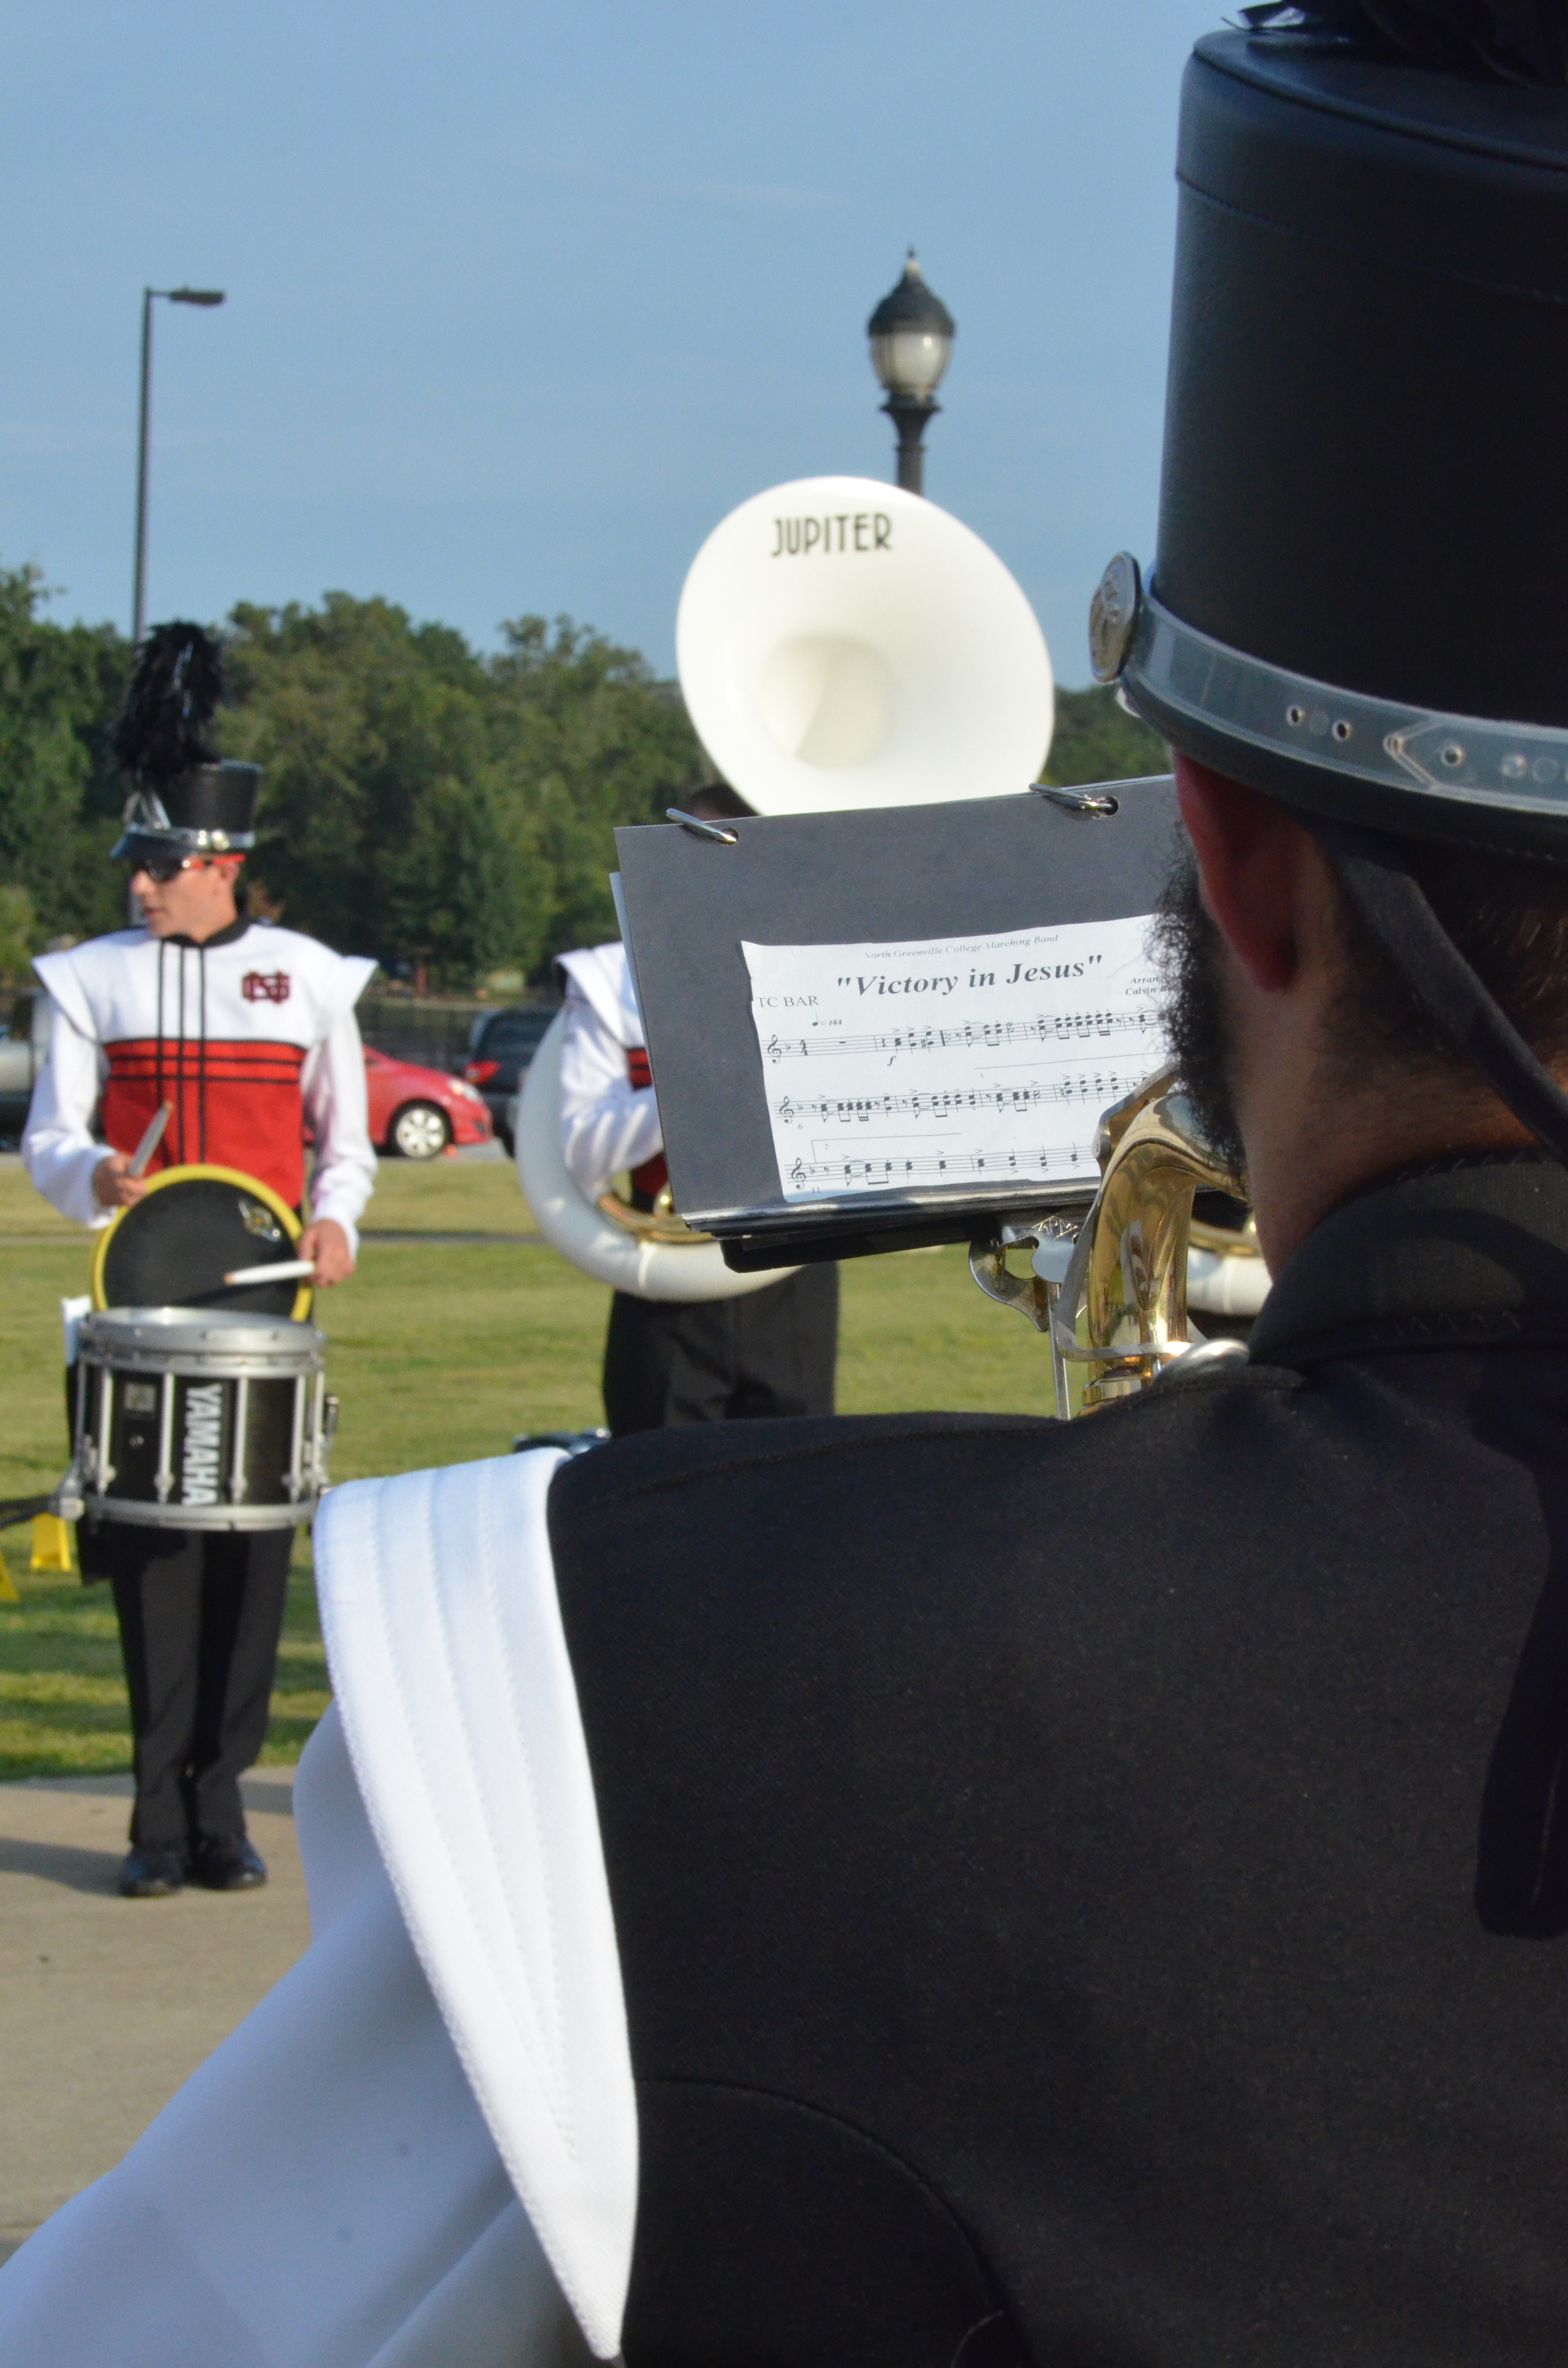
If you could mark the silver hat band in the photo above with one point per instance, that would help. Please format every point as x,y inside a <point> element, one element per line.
<point>146,817</point>
<point>199,842</point>
<point>189,842</point>
<point>1474,761</point>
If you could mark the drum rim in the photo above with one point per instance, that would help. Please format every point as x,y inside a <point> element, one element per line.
<point>281,1340</point>
<point>215,1174</point>
<point>139,1514</point>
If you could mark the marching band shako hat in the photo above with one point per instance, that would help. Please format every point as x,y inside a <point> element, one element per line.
<point>187,800</point>
<point>1360,599</point>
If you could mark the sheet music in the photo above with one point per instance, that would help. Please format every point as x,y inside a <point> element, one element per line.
<point>954,1061</point>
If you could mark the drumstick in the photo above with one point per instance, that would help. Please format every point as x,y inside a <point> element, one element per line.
<point>150,1139</point>
<point>285,1271</point>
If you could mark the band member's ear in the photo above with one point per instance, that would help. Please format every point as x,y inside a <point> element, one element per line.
<point>1255,868</point>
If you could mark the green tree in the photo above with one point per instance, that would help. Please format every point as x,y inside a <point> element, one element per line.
<point>421,801</point>
<point>469,894</point>
<point>20,937</point>
<point>60,802</point>
<point>589,739</point>
<point>1096,740</point>
<point>354,716</point>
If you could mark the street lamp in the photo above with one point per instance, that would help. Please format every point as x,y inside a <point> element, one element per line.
<point>173,296</point>
<point>911,334</point>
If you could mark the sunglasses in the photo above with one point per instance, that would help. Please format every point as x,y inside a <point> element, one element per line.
<point>164,868</point>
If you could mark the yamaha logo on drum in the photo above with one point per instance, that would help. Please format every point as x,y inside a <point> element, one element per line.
<point>844,530</point>
<point>202,1459</point>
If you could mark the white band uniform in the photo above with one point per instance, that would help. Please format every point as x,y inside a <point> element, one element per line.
<point>265,986</point>
<point>579,1120</point>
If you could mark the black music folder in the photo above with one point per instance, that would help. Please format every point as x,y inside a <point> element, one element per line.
<point>891,1026</point>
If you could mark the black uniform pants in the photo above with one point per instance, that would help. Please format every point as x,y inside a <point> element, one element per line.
<point>200,1612</point>
<point>770,1352</point>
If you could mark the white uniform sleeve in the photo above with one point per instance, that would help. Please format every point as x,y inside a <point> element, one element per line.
<point>58,1149</point>
<point>332,1083</point>
<point>423,2144</point>
<point>323,2192</point>
<point>607,1123</point>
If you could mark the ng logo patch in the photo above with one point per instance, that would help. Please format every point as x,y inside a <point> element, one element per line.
<point>260,1220</point>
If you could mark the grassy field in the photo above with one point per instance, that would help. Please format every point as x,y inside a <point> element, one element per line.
<point>440,1352</point>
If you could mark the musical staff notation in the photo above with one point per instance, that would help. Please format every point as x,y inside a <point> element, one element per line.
<point>1097,1088</point>
<point>974,1036</point>
<point>934,1167</point>
<point>995,1078</point>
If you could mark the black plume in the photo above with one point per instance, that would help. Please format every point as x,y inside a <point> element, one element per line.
<point>177,686</point>
<point>1492,40</point>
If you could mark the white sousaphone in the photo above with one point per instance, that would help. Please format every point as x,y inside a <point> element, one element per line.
<point>840,643</point>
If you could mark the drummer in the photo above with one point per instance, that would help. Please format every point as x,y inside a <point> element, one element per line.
<point>248,1032</point>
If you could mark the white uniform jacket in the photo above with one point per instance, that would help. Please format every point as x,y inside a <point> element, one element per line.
<point>609,1118</point>
<point>251,1038</point>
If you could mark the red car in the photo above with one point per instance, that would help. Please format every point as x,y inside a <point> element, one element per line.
<point>418,1113</point>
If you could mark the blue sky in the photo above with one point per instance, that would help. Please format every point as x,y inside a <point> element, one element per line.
<point>523,300</point>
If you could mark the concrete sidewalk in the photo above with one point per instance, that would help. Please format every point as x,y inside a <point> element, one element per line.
<point>108,2004</point>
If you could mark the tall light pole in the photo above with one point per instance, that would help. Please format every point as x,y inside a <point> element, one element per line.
<point>173,296</point>
<point>911,334</point>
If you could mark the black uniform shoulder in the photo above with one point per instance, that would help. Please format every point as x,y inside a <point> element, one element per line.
<point>1458,1253</point>
<point>656,1460</point>
<point>804,1471</point>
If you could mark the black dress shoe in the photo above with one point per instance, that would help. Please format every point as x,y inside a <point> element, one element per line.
<point>225,1865</point>
<point>152,1875</point>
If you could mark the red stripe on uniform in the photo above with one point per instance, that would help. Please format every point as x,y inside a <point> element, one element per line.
<point>653,1175</point>
<point>237,1104</point>
<point>137,1057</point>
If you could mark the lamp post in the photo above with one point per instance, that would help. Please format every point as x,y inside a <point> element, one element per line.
<point>911,334</point>
<point>173,296</point>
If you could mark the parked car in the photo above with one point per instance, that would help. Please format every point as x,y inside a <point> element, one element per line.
<point>22,1051</point>
<point>499,1049</point>
<point>416,1113</point>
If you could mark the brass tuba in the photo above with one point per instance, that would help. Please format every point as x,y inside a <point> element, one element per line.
<point>1110,1294</point>
<point>841,643</point>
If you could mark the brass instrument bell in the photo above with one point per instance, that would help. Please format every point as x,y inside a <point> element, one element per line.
<point>1112,1299</point>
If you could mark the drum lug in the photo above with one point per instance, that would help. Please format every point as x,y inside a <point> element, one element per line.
<point>103,1469</point>
<point>237,1454</point>
<point>67,1500</point>
<point>163,1480</point>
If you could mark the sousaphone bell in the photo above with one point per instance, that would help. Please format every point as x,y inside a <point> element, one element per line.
<point>840,642</point>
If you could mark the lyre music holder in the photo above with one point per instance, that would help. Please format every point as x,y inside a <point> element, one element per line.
<point>888,1167</point>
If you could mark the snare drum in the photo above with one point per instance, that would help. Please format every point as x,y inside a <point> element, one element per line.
<point>192,1419</point>
<point>192,1226</point>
